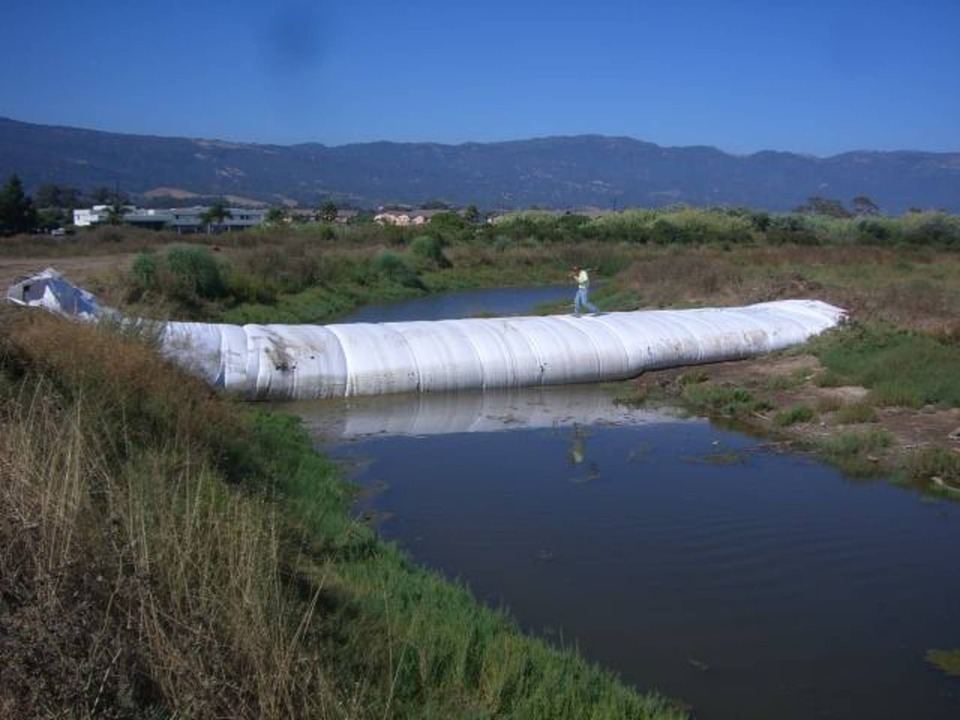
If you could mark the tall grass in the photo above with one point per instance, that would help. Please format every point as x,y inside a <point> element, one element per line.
<point>902,368</point>
<point>117,522</point>
<point>170,554</point>
<point>856,453</point>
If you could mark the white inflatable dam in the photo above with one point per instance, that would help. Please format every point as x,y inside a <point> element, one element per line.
<point>321,361</point>
<point>287,362</point>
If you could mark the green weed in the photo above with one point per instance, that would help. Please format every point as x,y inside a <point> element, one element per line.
<point>946,660</point>
<point>902,368</point>
<point>201,560</point>
<point>934,464</point>
<point>854,452</point>
<point>793,415</point>
<point>854,413</point>
<point>723,400</point>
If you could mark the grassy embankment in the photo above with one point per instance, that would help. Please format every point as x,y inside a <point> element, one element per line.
<point>168,553</point>
<point>200,557</point>
<point>902,345</point>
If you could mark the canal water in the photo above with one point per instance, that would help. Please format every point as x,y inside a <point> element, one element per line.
<point>688,559</point>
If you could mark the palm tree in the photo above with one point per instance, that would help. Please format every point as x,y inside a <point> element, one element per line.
<point>328,211</point>
<point>276,215</point>
<point>215,214</point>
<point>115,214</point>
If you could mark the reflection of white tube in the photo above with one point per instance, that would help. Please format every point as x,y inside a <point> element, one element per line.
<point>469,412</point>
<point>307,361</point>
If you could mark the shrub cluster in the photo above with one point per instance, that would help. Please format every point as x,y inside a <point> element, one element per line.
<point>187,275</point>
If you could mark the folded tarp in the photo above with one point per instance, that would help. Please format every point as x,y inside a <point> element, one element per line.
<point>50,290</point>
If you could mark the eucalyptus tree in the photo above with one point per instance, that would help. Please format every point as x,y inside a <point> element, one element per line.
<point>17,212</point>
<point>862,205</point>
<point>328,211</point>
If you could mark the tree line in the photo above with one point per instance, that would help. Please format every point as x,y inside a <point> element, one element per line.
<point>51,206</point>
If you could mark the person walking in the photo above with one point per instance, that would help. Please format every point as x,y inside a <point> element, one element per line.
<point>582,299</point>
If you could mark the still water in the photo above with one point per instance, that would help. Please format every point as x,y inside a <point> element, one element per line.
<point>688,559</point>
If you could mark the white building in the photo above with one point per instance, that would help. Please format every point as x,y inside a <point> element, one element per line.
<point>183,220</point>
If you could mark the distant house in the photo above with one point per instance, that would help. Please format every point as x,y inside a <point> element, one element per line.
<point>311,215</point>
<point>86,217</point>
<point>405,217</point>
<point>392,218</point>
<point>345,216</point>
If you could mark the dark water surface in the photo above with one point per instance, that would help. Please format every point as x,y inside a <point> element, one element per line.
<point>686,558</point>
<point>499,301</point>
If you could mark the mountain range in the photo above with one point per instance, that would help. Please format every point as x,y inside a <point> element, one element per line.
<point>552,172</point>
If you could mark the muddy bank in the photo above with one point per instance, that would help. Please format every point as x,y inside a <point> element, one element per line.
<point>781,383</point>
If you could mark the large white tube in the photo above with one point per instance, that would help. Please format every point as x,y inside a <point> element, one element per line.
<point>285,362</point>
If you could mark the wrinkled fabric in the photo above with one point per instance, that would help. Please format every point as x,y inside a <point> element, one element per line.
<point>285,362</point>
<point>291,362</point>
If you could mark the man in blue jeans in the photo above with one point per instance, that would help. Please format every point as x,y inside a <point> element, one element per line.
<point>582,299</point>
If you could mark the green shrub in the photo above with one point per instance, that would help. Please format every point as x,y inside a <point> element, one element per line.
<point>727,401</point>
<point>877,231</point>
<point>931,228</point>
<point>790,229</point>
<point>793,415</point>
<point>195,271</point>
<point>853,453</point>
<point>904,368</point>
<point>855,413</point>
<point>249,288</point>
<point>146,270</point>
<point>428,251</point>
<point>934,462</point>
<point>392,266</point>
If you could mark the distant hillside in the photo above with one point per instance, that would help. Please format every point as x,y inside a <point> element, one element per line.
<point>556,172</point>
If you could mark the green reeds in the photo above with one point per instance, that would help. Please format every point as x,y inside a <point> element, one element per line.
<point>856,453</point>
<point>909,369</point>
<point>165,580</point>
<point>856,413</point>
<point>793,415</point>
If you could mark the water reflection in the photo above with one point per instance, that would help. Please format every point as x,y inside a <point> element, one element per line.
<point>422,414</point>
<point>686,558</point>
<point>586,470</point>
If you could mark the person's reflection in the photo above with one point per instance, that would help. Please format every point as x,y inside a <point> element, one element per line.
<point>577,456</point>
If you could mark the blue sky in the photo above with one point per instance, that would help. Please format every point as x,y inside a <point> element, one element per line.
<point>815,77</point>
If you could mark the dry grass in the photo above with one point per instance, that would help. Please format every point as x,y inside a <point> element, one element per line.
<point>917,288</point>
<point>132,576</point>
<point>137,580</point>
